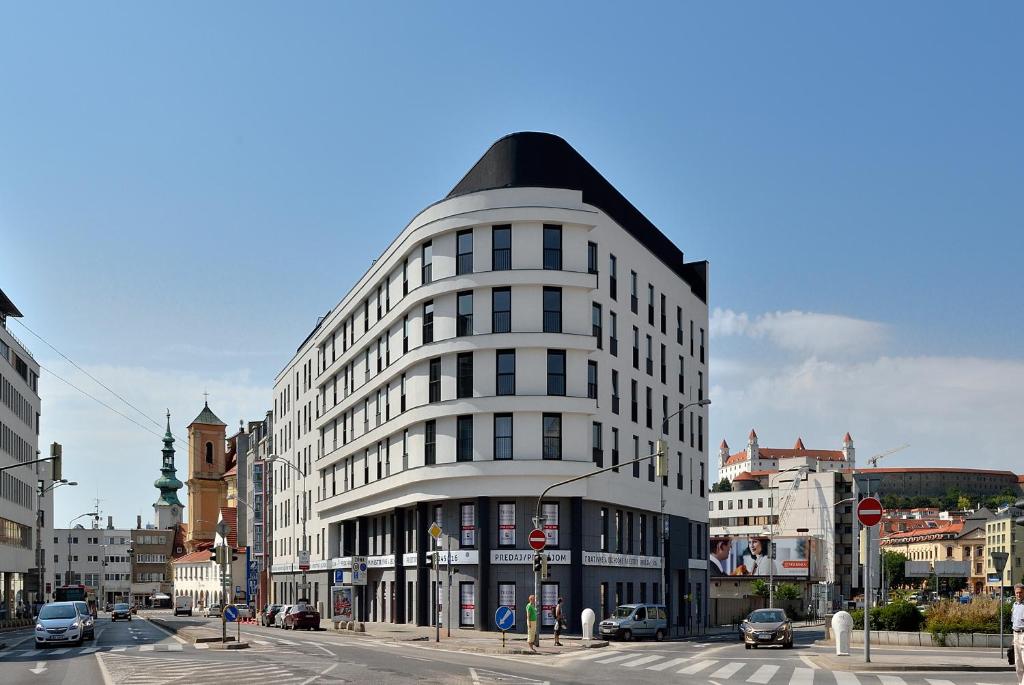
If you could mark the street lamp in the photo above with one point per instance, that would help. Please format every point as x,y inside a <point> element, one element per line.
<point>70,526</point>
<point>664,524</point>
<point>275,457</point>
<point>771,530</point>
<point>40,557</point>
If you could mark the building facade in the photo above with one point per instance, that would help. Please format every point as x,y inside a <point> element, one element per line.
<point>531,326</point>
<point>755,458</point>
<point>207,464</point>
<point>99,558</point>
<point>1002,534</point>
<point>26,505</point>
<point>152,551</point>
<point>260,505</point>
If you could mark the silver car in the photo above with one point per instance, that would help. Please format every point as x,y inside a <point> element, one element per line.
<point>279,619</point>
<point>59,622</point>
<point>767,627</point>
<point>88,620</point>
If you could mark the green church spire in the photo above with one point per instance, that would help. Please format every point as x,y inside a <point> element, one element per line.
<point>168,483</point>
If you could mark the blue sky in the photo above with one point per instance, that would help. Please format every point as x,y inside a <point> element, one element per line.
<point>183,189</point>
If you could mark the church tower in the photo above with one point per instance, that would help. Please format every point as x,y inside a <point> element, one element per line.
<point>168,507</point>
<point>206,468</point>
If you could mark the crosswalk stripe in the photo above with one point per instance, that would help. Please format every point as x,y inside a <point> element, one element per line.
<point>146,648</point>
<point>802,676</point>
<point>667,664</point>
<point>846,678</point>
<point>118,649</point>
<point>201,645</point>
<point>261,642</point>
<point>65,650</point>
<point>763,674</point>
<point>640,662</point>
<point>891,680</point>
<point>27,652</point>
<point>933,681</point>
<point>89,650</point>
<point>174,648</point>
<point>728,670</point>
<point>287,642</point>
<point>595,654</point>
<point>697,667</point>
<point>612,660</point>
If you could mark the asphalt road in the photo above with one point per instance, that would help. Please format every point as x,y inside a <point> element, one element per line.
<point>140,652</point>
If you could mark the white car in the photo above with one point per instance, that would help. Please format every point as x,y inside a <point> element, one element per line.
<point>279,619</point>
<point>243,610</point>
<point>211,610</point>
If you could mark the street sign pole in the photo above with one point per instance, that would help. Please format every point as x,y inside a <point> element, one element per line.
<point>869,514</point>
<point>538,525</point>
<point>999,560</point>
<point>435,532</point>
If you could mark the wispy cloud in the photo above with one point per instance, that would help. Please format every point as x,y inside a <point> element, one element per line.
<point>808,332</point>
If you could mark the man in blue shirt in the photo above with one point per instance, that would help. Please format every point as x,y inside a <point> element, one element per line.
<point>1017,623</point>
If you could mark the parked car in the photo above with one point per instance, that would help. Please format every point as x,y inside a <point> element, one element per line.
<point>636,620</point>
<point>268,614</point>
<point>243,610</point>
<point>211,610</point>
<point>767,627</point>
<point>88,620</point>
<point>121,610</point>
<point>59,622</point>
<point>183,605</point>
<point>281,613</point>
<point>302,616</point>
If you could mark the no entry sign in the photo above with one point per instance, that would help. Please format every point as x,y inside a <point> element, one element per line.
<point>538,539</point>
<point>869,511</point>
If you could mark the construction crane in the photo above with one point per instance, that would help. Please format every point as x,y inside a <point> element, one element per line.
<point>873,461</point>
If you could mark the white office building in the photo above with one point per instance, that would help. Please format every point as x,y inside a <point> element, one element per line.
<point>95,557</point>
<point>529,327</point>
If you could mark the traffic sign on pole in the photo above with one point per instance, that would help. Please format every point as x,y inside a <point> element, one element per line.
<point>505,618</point>
<point>230,613</point>
<point>538,539</point>
<point>303,560</point>
<point>869,511</point>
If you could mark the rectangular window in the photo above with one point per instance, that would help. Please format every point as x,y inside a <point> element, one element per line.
<point>556,372</point>
<point>664,367</point>
<point>618,531</point>
<point>650,304</point>
<point>613,334</point>
<point>552,246</point>
<point>700,433</point>
<point>650,356</point>
<point>505,367</point>
<point>629,533</point>
<point>636,455</point>
<point>595,320</point>
<point>380,301</point>
<point>501,310</point>
<point>366,316</point>
<point>502,436</point>
<point>633,409</point>
<point>679,325</point>
<point>682,376</point>
<point>634,302</point>
<point>663,313</point>
<point>650,462</point>
<point>613,275</point>
<point>430,443</point>
<point>464,373</point>
<point>405,277</point>
<point>691,338</point>
<point>401,401</point>
<point>591,258</point>
<point>464,252</point>
<point>467,528</point>
<point>405,334</point>
<point>598,448</point>
<point>427,255</point>
<point>604,534</point>
<point>552,310</point>
<point>643,547</point>
<point>592,380</point>
<point>702,346</point>
<point>506,535</point>
<point>435,380</point>
<point>615,391</point>
<point>700,385</point>
<point>501,247</point>
<point>648,409</point>
<point>428,322</point>
<point>464,313</point>
<point>636,348</point>
<point>664,414</point>
<point>464,439</point>
<point>552,436</point>
<point>615,448</point>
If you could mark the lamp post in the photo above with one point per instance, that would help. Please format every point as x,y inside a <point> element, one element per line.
<point>41,490</point>
<point>274,457</point>
<point>664,524</point>
<point>70,526</point>
<point>771,531</point>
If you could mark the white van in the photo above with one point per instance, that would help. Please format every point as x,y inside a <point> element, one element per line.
<point>183,605</point>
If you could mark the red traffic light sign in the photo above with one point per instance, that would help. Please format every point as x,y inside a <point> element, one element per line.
<point>869,511</point>
<point>538,540</point>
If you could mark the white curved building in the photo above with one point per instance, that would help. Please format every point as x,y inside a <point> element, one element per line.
<point>527,327</point>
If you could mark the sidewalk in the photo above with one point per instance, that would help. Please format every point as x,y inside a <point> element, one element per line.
<point>952,659</point>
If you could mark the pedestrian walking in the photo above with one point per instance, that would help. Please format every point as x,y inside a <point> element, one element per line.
<point>559,622</point>
<point>531,623</point>
<point>1017,621</point>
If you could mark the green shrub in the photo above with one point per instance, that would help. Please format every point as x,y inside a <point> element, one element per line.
<point>900,616</point>
<point>980,616</point>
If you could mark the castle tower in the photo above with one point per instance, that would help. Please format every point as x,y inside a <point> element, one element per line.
<point>723,455</point>
<point>167,508</point>
<point>849,453</point>
<point>206,468</point>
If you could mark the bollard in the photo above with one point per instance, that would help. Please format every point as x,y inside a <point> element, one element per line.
<point>842,627</point>
<point>587,619</point>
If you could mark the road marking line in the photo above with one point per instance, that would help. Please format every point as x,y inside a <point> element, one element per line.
<point>261,642</point>
<point>107,680</point>
<point>612,660</point>
<point>807,660</point>
<point>65,650</point>
<point>845,678</point>
<point>727,671</point>
<point>146,648</point>
<point>201,645</point>
<point>802,676</point>
<point>891,680</point>
<point>89,650</point>
<point>763,674</point>
<point>639,662</point>
<point>286,642</point>
<point>933,681</point>
<point>322,673</point>
<point>697,667</point>
<point>668,664</point>
<point>175,648</point>
<point>118,649</point>
<point>587,655</point>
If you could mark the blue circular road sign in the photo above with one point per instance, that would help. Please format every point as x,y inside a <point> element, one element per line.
<point>230,613</point>
<point>505,618</point>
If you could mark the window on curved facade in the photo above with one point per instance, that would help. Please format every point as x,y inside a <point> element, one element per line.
<point>552,246</point>
<point>505,366</point>
<point>501,310</point>
<point>556,372</point>
<point>552,427</point>
<point>501,247</point>
<point>464,252</point>
<point>502,436</point>
<point>552,310</point>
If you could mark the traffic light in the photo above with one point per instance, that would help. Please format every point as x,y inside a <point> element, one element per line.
<point>214,556</point>
<point>56,454</point>
<point>536,563</point>
<point>661,461</point>
<point>544,572</point>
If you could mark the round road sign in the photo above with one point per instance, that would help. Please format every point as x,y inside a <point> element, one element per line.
<point>230,613</point>
<point>538,540</point>
<point>505,618</point>
<point>869,511</point>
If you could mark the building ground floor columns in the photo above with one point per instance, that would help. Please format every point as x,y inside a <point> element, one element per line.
<point>600,556</point>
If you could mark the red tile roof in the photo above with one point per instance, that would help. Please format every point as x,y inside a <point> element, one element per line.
<point>799,444</point>
<point>193,557</point>
<point>230,516</point>
<point>774,453</point>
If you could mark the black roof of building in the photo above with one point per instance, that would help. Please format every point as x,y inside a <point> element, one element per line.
<point>543,160</point>
<point>7,307</point>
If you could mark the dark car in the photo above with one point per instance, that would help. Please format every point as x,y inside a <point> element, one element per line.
<point>269,612</point>
<point>767,627</point>
<point>301,616</point>
<point>121,611</point>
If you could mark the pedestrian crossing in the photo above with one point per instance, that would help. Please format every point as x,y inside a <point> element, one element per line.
<point>126,669</point>
<point>13,654</point>
<point>697,668</point>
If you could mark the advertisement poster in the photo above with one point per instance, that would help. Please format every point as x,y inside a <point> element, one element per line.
<point>551,523</point>
<point>467,604</point>
<point>749,556</point>
<point>507,595</point>
<point>507,524</point>
<point>341,603</point>
<point>549,598</point>
<point>468,527</point>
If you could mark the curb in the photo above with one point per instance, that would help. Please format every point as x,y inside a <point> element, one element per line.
<point>836,664</point>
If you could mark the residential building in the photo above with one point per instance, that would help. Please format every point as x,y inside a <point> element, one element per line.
<point>99,558</point>
<point>199,576</point>
<point>1002,534</point>
<point>947,540</point>
<point>152,552</point>
<point>487,354</point>
<point>259,506</point>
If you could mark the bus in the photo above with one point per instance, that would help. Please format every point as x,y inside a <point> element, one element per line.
<point>76,593</point>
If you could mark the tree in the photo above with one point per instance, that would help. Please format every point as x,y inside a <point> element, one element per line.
<point>787,591</point>
<point>893,563</point>
<point>963,503</point>
<point>722,486</point>
<point>760,588</point>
